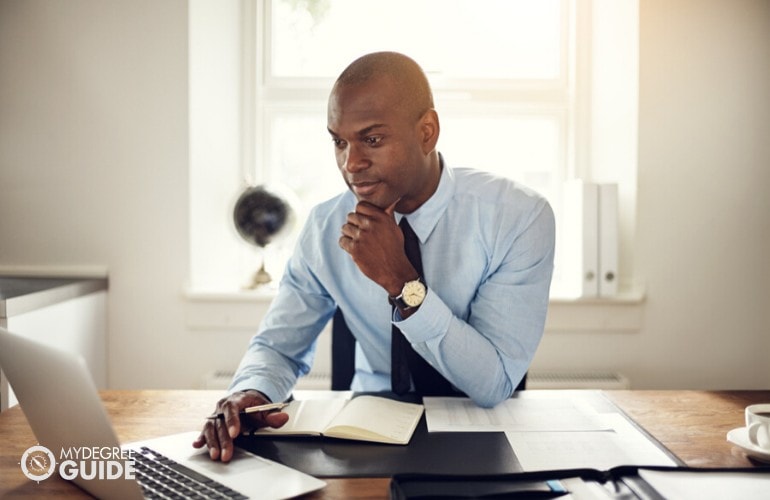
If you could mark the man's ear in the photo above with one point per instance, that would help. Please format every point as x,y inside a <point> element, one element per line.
<point>429,130</point>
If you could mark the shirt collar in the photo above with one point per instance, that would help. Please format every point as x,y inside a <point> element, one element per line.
<point>426,217</point>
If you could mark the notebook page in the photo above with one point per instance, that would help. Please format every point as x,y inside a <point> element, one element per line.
<point>310,416</point>
<point>392,419</point>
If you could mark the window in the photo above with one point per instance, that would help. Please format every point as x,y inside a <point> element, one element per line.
<point>312,38</point>
<point>512,81</point>
<point>506,117</point>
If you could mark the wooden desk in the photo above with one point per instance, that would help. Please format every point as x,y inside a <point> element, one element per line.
<point>692,424</point>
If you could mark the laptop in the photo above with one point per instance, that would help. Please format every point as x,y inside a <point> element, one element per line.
<point>61,403</point>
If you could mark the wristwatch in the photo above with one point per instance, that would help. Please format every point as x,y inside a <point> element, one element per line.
<point>412,295</point>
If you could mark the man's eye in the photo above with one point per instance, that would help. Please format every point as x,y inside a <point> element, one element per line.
<point>372,140</point>
<point>338,143</point>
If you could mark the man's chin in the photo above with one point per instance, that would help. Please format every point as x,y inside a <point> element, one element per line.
<point>375,200</point>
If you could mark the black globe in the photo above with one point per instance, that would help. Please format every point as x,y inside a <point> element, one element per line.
<point>260,214</point>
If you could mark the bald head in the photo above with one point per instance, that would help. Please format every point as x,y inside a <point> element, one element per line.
<point>404,72</point>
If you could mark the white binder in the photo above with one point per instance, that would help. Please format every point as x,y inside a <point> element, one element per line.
<point>608,240</point>
<point>581,237</point>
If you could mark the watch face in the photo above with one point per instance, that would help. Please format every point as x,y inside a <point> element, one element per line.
<point>413,293</point>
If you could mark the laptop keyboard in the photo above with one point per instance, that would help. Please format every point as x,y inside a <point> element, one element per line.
<point>163,478</point>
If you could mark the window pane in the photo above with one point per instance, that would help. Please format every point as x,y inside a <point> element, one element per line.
<point>525,148</point>
<point>521,147</point>
<point>499,39</point>
<point>301,156</point>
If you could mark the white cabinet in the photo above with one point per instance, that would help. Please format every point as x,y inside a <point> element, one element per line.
<point>68,313</point>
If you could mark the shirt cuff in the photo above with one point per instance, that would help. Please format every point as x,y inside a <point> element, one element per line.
<point>431,320</point>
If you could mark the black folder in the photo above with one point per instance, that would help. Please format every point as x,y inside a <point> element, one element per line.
<point>443,453</point>
<point>485,453</point>
<point>619,483</point>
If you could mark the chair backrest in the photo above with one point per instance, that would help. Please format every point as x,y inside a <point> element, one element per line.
<point>344,355</point>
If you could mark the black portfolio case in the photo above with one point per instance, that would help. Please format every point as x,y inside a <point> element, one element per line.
<point>619,483</point>
<point>481,453</point>
<point>444,453</point>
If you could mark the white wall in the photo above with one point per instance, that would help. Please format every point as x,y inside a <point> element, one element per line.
<point>93,163</point>
<point>703,214</point>
<point>704,236</point>
<point>94,154</point>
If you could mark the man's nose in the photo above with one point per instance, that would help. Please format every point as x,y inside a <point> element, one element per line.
<point>355,159</point>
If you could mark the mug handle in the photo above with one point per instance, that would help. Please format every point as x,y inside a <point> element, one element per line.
<point>753,428</point>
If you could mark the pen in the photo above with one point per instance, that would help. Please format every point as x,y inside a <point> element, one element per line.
<point>255,409</point>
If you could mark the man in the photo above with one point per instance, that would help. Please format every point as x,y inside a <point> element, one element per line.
<point>469,309</point>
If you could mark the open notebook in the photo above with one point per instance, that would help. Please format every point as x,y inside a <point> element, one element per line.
<point>364,418</point>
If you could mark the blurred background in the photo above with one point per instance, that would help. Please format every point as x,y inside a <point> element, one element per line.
<point>129,128</point>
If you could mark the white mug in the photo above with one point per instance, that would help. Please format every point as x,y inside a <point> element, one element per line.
<point>758,425</point>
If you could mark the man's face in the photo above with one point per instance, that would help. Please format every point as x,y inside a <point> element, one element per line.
<point>378,146</point>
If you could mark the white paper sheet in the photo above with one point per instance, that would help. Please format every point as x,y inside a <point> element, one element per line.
<point>704,486</point>
<point>523,414</point>
<point>623,445</point>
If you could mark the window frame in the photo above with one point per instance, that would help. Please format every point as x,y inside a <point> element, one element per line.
<point>558,99</point>
<point>259,96</point>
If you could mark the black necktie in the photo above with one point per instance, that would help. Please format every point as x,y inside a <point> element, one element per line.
<point>404,360</point>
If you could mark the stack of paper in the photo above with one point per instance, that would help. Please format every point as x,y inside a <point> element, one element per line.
<point>550,431</point>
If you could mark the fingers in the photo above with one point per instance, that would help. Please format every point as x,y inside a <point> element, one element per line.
<point>218,432</point>
<point>209,437</point>
<point>225,442</point>
<point>392,208</point>
<point>232,421</point>
<point>276,419</point>
<point>356,224</point>
<point>219,435</point>
<point>367,209</point>
<point>199,441</point>
<point>364,218</point>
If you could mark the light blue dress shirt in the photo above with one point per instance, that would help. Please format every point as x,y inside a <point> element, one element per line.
<point>487,248</point>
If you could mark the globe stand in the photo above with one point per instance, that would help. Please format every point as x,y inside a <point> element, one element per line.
<point>262,215</point>
<point>260,278</point>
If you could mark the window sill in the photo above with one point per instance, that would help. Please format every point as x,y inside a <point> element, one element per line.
<point>243,310</point>
<point>226,309</point>
<point>620,313</point>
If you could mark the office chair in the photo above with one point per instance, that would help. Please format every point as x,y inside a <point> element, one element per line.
<point>344,354</point>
